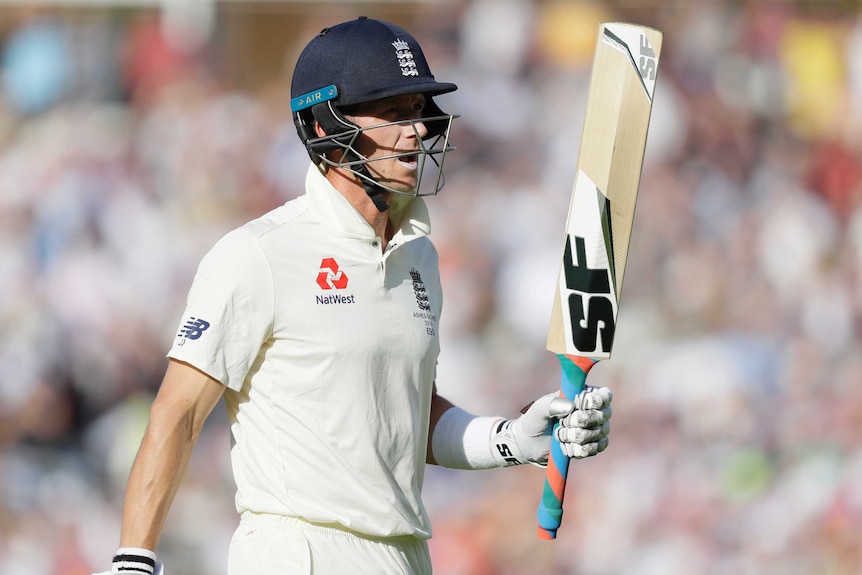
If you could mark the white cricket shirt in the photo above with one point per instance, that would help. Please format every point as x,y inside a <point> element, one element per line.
<point>328,348</point>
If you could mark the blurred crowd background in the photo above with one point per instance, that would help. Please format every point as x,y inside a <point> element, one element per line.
<point>134,134</point>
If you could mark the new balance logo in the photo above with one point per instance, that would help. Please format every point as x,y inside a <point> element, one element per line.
<point>330,276</point>
<point>193,329</point>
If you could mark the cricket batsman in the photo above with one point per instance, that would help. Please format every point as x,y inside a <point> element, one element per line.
<point>318,323</point>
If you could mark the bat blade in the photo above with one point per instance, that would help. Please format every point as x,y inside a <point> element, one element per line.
<point>599,223</point>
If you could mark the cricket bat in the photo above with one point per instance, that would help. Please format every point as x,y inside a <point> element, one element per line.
<point>598,227</point>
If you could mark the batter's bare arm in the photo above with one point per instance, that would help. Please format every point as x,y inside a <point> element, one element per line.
<point>186,397</point>
<point>439,406</point>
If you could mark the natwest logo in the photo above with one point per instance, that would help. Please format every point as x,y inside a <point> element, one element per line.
<point>330,277</point>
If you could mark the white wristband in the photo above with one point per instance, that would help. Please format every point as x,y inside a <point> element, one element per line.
<point>134,560</point>
<point>463,441</point>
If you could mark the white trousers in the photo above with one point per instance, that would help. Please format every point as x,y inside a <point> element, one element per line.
<point>278,545</point>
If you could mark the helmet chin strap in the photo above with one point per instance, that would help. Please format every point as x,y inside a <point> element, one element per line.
<point>372,188</point>
<point>374,191</point>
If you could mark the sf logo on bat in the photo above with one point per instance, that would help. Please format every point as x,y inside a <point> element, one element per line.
<point>636,46</point>
<point>647,62</point>
<point>591,301</point>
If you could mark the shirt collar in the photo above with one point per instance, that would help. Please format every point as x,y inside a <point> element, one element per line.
<point>411,221</point>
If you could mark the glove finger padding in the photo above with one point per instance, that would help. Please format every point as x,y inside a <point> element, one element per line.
<point>583,436</point>
<point>592,408</point>
<point>577,451</point>
<point>584,432</point>
<point>589,419</point>
<point>594,398</point>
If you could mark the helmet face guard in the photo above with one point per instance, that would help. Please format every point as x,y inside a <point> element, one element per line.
<point>342,134</point>
<point>356,62</point>
<point>433,148</point>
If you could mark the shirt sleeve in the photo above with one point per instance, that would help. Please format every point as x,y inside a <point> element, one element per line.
<point>229,311</point>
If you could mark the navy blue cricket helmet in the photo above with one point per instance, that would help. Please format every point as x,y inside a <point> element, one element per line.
<point>355,62</point>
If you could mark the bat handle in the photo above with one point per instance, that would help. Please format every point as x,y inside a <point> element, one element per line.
<point>550,513</point>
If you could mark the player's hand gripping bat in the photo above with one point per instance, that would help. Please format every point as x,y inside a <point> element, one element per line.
<point>599,223</point>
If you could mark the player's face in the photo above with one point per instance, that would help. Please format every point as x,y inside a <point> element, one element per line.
<point>399,173</point>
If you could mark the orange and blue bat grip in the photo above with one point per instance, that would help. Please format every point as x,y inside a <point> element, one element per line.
<point>573,376</point>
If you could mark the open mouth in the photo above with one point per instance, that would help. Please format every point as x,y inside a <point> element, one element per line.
<point>409,160</point>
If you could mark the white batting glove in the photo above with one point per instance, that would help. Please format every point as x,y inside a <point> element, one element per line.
<point>584,432</point>
<point>528,438</point>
